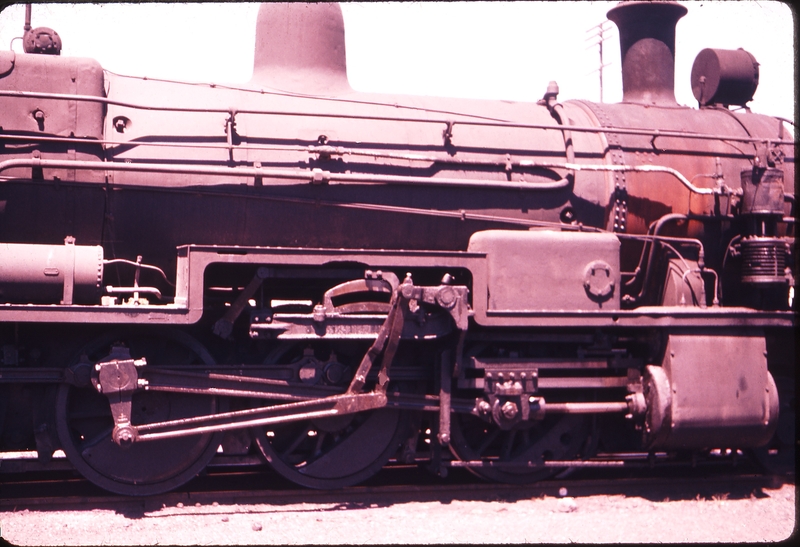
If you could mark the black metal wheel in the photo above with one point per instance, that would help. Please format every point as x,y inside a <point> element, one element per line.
<point>519,453</point>
<point>84,422</point>
<point>526,446</point>
<point>334,452</point>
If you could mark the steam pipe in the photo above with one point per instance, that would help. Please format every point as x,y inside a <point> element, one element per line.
<point>320,176</point>
<point>314,175</point>
<point>557,112</point>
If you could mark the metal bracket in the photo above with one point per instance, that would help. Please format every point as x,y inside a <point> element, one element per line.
<point>224,326</point>
<point>69,271</point>
<point>230,132</point>
<point>385,282</point>
<point>117,379</point>
<point>387,341</point>
<point>447,134</point>
<point>449,297</point>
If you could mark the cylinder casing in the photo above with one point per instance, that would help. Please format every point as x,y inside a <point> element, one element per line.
<point>38,273</point>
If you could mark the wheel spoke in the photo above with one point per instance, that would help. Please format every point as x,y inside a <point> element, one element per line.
<point>320,440</point>
<point>508,444</point>
<point>296,442</point>
<point>90,414</point>
<point>481,450</point>
<point>86,444</point>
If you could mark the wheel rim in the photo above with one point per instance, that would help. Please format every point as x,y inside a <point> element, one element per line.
<point>85,424</point>
<point>332,452</point>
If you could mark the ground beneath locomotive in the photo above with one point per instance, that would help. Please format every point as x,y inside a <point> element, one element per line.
<point>673,513</point>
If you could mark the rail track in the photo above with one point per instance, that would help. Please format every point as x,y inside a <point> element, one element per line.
<point>28,484</point>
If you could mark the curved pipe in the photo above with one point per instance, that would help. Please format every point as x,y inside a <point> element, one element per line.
<point>656,227</point>
<point>632,168</point>
<point>557,111</point>
<point>139,265</point>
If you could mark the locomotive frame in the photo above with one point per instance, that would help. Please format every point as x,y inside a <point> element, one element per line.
<point>567,283</point>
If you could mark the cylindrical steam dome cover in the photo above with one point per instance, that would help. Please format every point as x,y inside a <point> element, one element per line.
<point>724,76</point>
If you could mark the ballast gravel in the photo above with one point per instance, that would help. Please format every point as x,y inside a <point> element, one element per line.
<point>767,515</point>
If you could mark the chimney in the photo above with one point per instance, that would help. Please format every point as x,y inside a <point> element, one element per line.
<point>647,45</point>
<point>300,48</point>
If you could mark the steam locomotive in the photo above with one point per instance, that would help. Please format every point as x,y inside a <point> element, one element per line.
<point>333,280</point>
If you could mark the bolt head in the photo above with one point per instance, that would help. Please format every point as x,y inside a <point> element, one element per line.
<point>509,410</point>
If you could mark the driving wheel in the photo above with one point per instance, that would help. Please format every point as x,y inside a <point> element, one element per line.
<point>526,446</point>
<point>330,452</point>
<point>85,424</point>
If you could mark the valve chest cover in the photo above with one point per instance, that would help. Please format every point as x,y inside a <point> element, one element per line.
<point>546,270</point>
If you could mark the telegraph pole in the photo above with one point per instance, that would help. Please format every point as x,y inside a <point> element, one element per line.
<point>599,34</point>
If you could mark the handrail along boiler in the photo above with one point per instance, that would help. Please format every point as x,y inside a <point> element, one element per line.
<point>332,279</point>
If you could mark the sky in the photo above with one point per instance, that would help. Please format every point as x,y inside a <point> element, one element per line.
<point>487,50</point>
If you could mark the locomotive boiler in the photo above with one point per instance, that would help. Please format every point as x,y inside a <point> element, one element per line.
<point>333,279</point>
